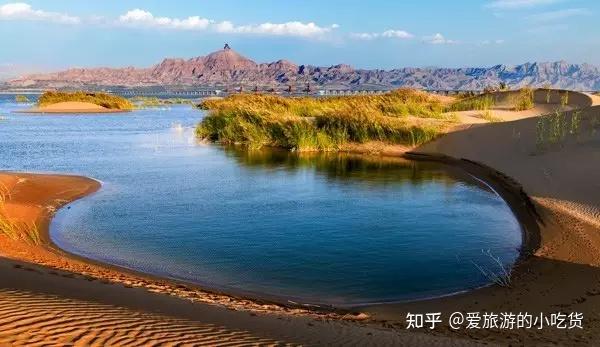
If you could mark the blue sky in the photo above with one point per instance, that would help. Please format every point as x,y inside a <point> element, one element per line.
<point>55,34</point>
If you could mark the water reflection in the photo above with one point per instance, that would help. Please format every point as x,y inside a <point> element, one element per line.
<point>350,168</point>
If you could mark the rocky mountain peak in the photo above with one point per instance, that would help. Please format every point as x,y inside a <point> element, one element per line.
<point>226,66</point>
<point>228,59</point>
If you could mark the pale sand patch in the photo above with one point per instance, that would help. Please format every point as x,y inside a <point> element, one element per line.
<point>72,107</point>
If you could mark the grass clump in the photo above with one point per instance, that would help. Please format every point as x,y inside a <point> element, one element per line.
<point>21,99</point>
<point>322,124</point>
<point>523,100</point>
<point>489,116</point>
<point>12,229</point>
<point>19,231</point>
<point>147,101</point>
<point>480,103</point>
<point>553,129</point>
<point>496,272</point>
<point>564,98</point>
<point>109,101</point>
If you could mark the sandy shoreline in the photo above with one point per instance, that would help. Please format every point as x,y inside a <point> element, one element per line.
<point>71,107</point>
<point>552,191</point>
<point>563,273</point>
<point>48,280</point>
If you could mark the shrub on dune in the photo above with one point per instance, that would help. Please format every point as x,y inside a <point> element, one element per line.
<point>109,101</point>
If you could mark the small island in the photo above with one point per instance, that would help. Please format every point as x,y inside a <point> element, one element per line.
<point>80,102</point>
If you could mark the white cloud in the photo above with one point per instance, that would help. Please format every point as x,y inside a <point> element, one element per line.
<point>517,4</point>
<point>560,14</point>
<point>364,36</point>
<point>398,34</point>
<point>438,39</point>
<point>489,42</point>
<point>138,17</point>
<point>142,18</point>
<point>295,28</point>
<point>23,11</point>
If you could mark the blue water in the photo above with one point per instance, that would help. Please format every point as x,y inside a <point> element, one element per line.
<point>334,229</point>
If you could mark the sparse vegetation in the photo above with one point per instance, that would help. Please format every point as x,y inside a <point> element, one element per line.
<point>14,229</point>
<point>489,116</point>
<point>564,98</point>
<point>480,103</point>
<point>497,272</point>
<point>553,129</point>
<point>523,100</point>
<point>21,99</point>
<point>145,101</point>
<point>102,99</point>
<point>324,124</point>
<point>575,123</point>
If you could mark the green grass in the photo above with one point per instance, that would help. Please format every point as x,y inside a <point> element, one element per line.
<point>480,102</point>
<point>564,98</point>
<point>523,100</point>
<point>553,129</point>
<point>146,101</point>
<point>323,124</point>
<point>102,99</point>
<point>21,99</point>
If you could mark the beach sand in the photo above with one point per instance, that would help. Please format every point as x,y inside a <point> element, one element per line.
<point>72,107</point>
<point>50,296</point>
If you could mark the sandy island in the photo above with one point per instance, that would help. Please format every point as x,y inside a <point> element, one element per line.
<point>53,297</point>
<point>72,107</point>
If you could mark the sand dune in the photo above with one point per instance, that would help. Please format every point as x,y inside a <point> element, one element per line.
<point>37,319</point>
<point>558,167</point>
<point>546,101</point>
<point>42,306</point>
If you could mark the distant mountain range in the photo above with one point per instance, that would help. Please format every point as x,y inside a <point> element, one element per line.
<point>228,69</point>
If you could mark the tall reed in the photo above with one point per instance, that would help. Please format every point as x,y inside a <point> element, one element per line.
<point>323,124</point>
<point>27,232</point>
<point>479,103</point>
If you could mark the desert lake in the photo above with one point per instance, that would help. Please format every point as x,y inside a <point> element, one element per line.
<point>319,228</point>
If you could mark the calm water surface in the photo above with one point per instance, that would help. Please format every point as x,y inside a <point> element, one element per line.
<point>333,229</point>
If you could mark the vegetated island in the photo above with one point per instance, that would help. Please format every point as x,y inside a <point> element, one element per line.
<point>80,102</point>
<point>21,99</point>
<point>403,117</point>
<point>395,121</point>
